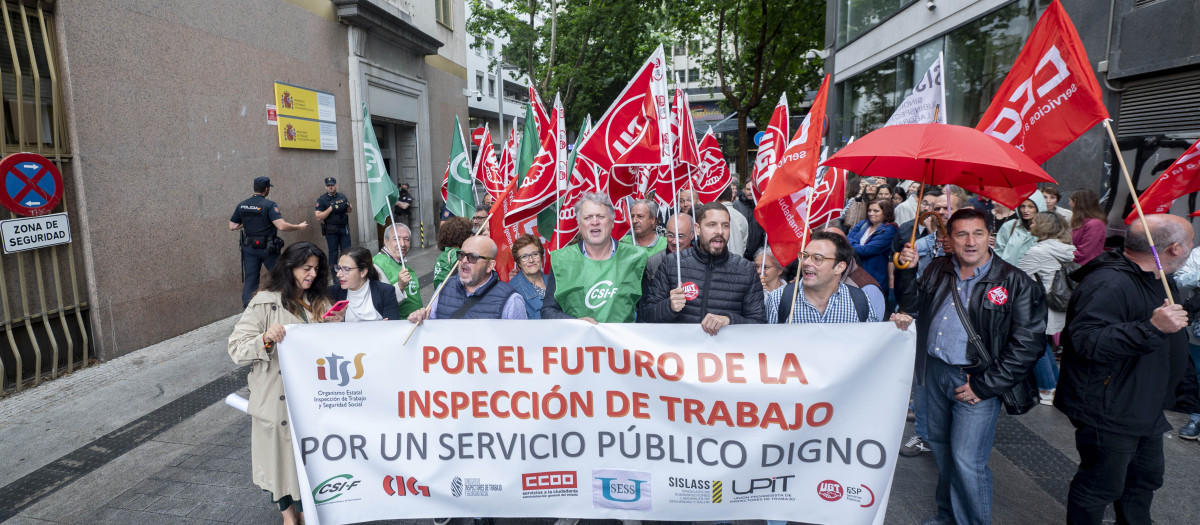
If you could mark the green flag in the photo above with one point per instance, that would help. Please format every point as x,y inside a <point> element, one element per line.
<point>460,191</point>
<point>381,188</point>
<point>530,144</point>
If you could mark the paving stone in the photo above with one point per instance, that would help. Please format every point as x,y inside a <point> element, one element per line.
<point>220,512</point>
<point>133,501</point>
<point>177,506</point>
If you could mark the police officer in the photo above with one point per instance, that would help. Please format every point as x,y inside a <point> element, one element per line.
<point>259,220</point>
<point>333,208</point>
<point>403,206</point>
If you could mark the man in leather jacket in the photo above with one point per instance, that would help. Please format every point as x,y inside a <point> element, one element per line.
<point>966,383</point>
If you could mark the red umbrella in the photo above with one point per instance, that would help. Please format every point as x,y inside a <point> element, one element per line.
<point>938,154</point>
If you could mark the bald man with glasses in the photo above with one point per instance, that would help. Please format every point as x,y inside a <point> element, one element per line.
<point>474,292</point>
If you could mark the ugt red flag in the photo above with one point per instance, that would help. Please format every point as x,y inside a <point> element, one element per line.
<point>508,155</point>
<point>539,110</point>
<point>540,185</point>
<point>685,153</point>
<point>773,142</point>
<point>1049,98</point>
<point>1182,178</point>
<point>828,198</point>
<point>487,170</point>
<point>776,209</point>
<point>504,235</point>
<point>713,176</point>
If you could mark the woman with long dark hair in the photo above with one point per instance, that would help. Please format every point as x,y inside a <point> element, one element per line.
<point>1087,225</point>
<point>293,293</point>
<point>871,238</point>
<point>358,282</point>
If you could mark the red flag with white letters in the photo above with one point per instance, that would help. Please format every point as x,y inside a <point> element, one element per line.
<point>543,117</point>
<point>713,176</point>
<point>774,141</point>
<point>487,169</point>
<point>1181,178</point>
<point>1049,98</point>
<point>540,185</point>
<point>797,170</point>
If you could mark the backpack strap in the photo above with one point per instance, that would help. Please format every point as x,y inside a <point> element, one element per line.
<point>861,303</point>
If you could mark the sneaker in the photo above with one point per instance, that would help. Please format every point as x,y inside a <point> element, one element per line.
<point>1190,430</point>
<point>914,446</point>
<point>1047,396</point>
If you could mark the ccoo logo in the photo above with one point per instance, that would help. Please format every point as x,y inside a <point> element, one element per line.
<point>337,368</point>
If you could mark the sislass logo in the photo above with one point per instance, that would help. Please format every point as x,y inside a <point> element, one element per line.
<point>337,368</point>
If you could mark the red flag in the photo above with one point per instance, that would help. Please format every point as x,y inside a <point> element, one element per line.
<point>508,155</point>
<point>1182,178</point>
<point>487,170</point>
<point>543,117</point>
<point>773,142</point>
<point>503,235</point>
<point>540,185</point>
<point>797,170</point>
<point>1049,98</point>
<point>621,225</point>
<point>685,154</point>
<point>828,200</point>
<point>713,176</point>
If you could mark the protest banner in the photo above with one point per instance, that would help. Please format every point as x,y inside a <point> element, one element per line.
<point>567,419</point>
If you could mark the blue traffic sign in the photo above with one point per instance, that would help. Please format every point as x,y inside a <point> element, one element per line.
<point>758,137</point>
<point>32,184</point>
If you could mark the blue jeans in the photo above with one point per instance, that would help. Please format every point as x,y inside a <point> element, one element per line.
<point>252,260</point>
<point>920,427</point>
<point>1046,369</point>
<point>961,436</point>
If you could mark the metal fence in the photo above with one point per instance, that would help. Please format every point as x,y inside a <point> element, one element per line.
<point>42,299</point>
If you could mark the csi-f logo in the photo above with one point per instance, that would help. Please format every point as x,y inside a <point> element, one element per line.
<point>621,489</point>
<point>333,488</point>
<point>401,486</point>
<point>599,294</point>
<point>772,485</point>
<point>337,368</point>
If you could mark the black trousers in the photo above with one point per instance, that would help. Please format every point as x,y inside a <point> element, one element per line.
<point>1114,468</point>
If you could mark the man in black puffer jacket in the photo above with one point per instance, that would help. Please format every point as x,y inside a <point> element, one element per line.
<point>718,288</point>
<point>965,386</point>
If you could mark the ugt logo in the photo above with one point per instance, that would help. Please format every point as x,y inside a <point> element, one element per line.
<point>337,368</point>
<point>621,489</point>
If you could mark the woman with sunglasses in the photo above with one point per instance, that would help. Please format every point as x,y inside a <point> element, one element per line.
<point>358,282</point>
<point>530,281</point>
<point>287,297</point>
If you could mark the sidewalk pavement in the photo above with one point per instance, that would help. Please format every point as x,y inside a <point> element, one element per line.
<point>146,438</point>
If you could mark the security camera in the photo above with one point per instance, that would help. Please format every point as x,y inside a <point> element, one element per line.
<point>478,97</point>
<point>930,5</point>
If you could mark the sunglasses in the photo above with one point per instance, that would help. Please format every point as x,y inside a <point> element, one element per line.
<point>472,258</point>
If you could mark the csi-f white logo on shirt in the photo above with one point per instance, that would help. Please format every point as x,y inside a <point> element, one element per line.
<point>599,294</point>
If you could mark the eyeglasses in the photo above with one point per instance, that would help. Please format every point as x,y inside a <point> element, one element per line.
<point>529,256</point>
<point>472,258</point>
<point>817,258</point>
<point>344,269</point>
<point>680,236</point>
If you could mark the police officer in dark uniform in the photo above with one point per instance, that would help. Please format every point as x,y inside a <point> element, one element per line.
<point>333,208</point>
<point>403,206</point>
<point>260,221</point>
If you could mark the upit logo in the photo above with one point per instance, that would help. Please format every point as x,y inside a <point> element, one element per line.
<point>563,479</point>
<point>401,486</point>
<point>337,368</point>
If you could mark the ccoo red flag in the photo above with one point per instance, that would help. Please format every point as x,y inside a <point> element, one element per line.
<point>797,169</point>
<point>540,185</point>
<point>1049,98</point>
<point>713,176</point>
<point>1182,178</point>
<point>487,169</point>
<point>774,141</point>
<point>543,117</point>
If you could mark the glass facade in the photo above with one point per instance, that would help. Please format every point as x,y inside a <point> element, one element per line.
<point>977,57</point>
<point>856,17</point>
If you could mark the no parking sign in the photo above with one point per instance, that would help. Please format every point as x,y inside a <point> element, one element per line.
<point>32,184</point>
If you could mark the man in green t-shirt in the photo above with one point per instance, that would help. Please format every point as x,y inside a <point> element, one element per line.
<point>389,262</point>
<point>599,280</point>
<point>642,216</point>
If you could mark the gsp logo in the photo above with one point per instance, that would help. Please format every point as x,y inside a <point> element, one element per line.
<point>333,488</point>
<point>337,368</point>
<point>599,294</point>
<point>621,489</point>
<point>399,486</point>
<point>563,479</point>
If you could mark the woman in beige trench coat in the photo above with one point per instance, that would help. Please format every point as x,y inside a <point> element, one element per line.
<point>295,292</point>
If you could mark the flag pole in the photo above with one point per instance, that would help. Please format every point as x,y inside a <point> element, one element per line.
<point>451,273</point>
<point>675,216</point>
<point>803,246</point>
<point>1162,275</point>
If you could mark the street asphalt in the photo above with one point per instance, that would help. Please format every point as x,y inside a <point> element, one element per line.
<point>147,438</point>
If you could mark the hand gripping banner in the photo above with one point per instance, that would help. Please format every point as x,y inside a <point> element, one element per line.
<point>616,421</point>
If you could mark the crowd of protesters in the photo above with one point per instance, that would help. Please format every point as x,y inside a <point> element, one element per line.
<point>1003,301</point>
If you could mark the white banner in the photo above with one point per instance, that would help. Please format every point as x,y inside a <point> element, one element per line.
<point>567,419</point>
<point>927,102</point>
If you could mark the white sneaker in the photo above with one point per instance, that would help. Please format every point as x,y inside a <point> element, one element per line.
<point>1047,396</point>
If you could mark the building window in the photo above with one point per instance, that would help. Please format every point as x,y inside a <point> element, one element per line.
<point>679,50</point>
<point>856,17</point>
<point>492,86</point>
<point>978,55</point>
<point>680,76</point>
<point>441,12</point>
<point>479,82</point>
<point>30,105</point>
<point>694,74</point>
<point>491,48</point>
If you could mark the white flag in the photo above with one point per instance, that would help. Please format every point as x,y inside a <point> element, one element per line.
<point>927,103</point>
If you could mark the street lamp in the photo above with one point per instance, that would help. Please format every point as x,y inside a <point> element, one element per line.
<point>500,67</point>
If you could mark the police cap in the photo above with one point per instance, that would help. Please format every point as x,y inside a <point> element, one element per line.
<point>262,183</point>
<point>330,181</point>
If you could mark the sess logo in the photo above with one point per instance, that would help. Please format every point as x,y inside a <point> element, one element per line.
<point>621,489</point>
<point>599,294</point>
<point>333,488</point>
<point>337,368</point>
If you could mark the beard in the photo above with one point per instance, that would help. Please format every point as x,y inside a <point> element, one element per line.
<point>708,247</point>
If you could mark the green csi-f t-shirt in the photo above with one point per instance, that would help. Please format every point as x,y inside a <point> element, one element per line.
<point>607,291</point>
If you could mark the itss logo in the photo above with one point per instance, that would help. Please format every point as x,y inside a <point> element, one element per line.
<point>337,368</point>
<point>621,489</point>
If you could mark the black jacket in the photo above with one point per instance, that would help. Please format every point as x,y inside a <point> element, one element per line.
<point>383,296</point>
<point>728,286</point>
<point>1118,371</point>
<point>1013,332</point>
